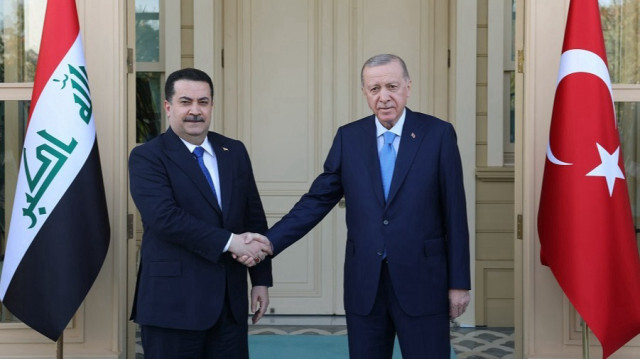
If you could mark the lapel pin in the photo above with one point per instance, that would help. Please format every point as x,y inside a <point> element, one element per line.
<point>413,135</point>
<point>225,149</point>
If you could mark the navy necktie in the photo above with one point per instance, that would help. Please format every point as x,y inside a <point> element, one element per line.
<point>199,152</point>
<point>387,161</point>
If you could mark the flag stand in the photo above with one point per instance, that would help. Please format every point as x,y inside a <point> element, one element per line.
<point>585,339</point>
<point>60,346</point>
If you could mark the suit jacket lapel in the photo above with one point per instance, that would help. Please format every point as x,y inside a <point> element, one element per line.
<point>225,173</point>
<point>370,146</point>
<point>177,152</point>
<point>412,135</point>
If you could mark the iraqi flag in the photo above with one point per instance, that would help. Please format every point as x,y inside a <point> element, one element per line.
<point>587,234</point>
<point>59,232</point>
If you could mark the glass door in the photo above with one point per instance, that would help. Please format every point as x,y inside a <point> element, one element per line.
<point>20,29</point>
<point>145,120</point>
<point>619,24</point>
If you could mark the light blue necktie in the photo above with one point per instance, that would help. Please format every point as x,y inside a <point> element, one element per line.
<point>198,152</point>
<point>387,161</point>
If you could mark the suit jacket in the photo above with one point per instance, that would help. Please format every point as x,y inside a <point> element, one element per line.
<point>422,225</point>
<point>183,272</point>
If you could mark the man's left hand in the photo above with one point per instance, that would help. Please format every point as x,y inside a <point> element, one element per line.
<point>259,302</point>
<point>458,301</point>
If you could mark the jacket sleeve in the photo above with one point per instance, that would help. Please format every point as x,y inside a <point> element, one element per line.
<point>455,211</point>
<point>326,190</point>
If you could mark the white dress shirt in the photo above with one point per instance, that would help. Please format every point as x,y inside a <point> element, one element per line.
<point>397,129</point>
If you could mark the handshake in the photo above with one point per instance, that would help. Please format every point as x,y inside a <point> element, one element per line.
<point>250,248</point>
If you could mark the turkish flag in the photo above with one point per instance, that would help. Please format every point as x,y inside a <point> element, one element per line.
<point>586,229</point>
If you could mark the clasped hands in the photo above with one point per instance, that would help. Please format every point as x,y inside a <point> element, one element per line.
<point>250,248</point>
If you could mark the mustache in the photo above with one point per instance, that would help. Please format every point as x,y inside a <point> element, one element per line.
<point>194,119</point>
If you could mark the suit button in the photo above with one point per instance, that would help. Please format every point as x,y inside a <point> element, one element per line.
<point>380,252</point>
<point>385,222</point>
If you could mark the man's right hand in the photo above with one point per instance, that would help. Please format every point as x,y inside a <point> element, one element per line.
<point>250,248</point>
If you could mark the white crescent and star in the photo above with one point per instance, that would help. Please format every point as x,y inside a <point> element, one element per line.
<point>609,168</point>
<point>574,61</point>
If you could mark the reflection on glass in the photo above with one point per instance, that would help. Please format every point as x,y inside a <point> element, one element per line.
<point>148,105</point>
<point>13,122</point>
<point>513,30</point>
<point>620,27</point>
<point>628,116</point>
<point>21,29</point>
<point>147,31</point>
<point>512,107</point>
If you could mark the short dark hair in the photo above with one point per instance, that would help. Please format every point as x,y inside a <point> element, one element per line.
<point>384,59</point>
<point>190,74</point>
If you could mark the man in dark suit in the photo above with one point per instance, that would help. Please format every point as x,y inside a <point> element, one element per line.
<point>195,189</point>
<point>406,269</point>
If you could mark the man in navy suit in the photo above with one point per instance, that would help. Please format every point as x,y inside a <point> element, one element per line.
<point>406,269</point>
<point>195,190</point>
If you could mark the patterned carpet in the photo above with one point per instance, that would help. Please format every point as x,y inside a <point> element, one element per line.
<point>325,337</point>
<point>468,343</point>
<point>483,343</point>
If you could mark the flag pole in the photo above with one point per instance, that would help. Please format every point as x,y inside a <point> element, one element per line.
<point>585,339</point>
<point>60,346</point>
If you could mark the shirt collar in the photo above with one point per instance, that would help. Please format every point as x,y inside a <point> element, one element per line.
<point>397,128</point>
<point>206,145</point>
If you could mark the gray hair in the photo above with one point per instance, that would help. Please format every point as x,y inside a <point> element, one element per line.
<point>383,59</point>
